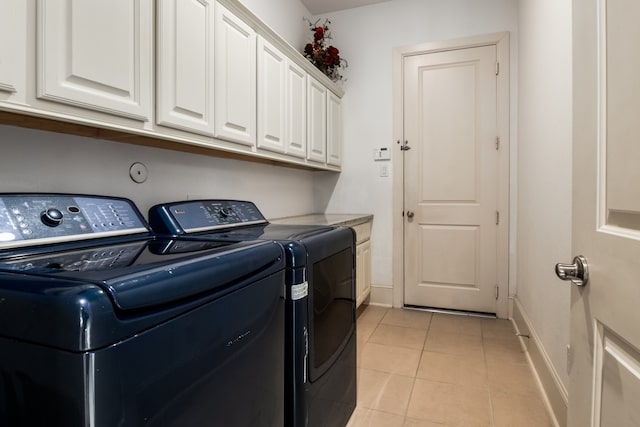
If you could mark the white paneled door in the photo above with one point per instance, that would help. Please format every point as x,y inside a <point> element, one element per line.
<point>450,183</point>
<point>604,357</point>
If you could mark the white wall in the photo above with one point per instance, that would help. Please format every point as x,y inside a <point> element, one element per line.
<point>544,171</point>
<point>366,37</point>
<point>285,17</point>
<point>35,161</point>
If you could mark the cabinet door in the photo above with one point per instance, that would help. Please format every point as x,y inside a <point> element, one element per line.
<point>235,78</point>
<point>316,120</point>
<point>96,54</point>
<point>185,65</point>
<point>272,66</point>
<point>296,118</point>
<point>334,129</point>
<point>363,271</point>
<point>366,257</point>
<point>13,31</point>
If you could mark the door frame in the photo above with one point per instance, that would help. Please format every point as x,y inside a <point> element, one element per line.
<point>501,41</point>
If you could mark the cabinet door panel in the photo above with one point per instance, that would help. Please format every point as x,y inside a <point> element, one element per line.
<point>334,129</point>
<point>272,66</point>
<point>317,120</point>
<point>296,111</point>
<point>235,79</point>
<point>363,271</point>
<point>13,41</point>
<point>185,65</point>
<point>96,55</point>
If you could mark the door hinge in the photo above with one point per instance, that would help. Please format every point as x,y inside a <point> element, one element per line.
<point>497,217</point>
<point>497,68</point>
<point>497,142</point>
<point>497,291</point>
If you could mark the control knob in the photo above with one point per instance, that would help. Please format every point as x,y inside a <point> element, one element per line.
<point>226,211</point>
<point>51,217</point>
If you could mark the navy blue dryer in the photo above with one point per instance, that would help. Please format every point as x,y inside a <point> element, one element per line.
<point>102,324</point>
<point>320,388</point>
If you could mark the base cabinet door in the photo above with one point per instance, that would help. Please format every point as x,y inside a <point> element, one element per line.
<point>316,121</point>
<point>96,55</point>
<point>363,271</point>
<point>235,78</point>
<point>184,73</point>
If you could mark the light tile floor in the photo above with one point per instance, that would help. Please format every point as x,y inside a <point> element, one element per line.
<point>424,369</point>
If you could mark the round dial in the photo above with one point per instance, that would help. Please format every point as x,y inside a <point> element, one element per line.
<point>51,217</point>
<point>226,211</point>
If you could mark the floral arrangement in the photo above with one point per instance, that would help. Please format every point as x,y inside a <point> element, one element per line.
<point>326,58</point>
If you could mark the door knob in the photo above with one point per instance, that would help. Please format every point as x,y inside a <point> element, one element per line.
<point>410,214</point>
<point>577,273</point>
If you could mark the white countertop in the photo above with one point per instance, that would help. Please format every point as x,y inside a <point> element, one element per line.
<point>324,219</point>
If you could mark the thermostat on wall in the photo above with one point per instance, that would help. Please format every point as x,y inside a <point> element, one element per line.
<point>382,153</point>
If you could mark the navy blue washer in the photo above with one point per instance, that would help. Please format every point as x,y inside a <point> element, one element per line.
<point>103,324</point>
<point>320,387</point>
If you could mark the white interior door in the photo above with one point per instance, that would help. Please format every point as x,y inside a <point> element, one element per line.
<point>604,387</point>
<point>450,182</point>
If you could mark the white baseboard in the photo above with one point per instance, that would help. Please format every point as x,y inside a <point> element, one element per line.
<point>555,393</point>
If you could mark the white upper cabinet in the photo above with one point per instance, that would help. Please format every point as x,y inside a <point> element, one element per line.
<point>334,129</point>
<point>96,55</point>
<point>272,67</point>
<point>235,78</point>
<point>184,74</point>
<point>13,41</point>
<point>316,120</point>
<point>206,73</point>
<point>282,102</point>
<point>296,110</point>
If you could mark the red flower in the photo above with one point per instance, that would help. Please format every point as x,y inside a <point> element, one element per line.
<point>319,33</point>
<point>308,49</point>
<point>326,58</point>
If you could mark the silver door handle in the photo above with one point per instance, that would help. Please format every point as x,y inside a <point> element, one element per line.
<point>410,214</point>
<point>577,273</point>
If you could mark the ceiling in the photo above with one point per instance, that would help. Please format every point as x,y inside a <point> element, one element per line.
<point>317,7</point>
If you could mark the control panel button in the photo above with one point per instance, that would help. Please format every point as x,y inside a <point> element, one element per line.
<point>51,217</point>
<point>226,211</point>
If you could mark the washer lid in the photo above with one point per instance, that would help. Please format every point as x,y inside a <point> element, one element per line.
<point>71,300</point>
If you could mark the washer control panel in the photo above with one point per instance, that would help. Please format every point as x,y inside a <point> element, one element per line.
<point>201,215</point>
<point>29,219</point>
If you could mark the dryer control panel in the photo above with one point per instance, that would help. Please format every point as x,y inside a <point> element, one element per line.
<point>202,215</point>
<point>30,219</point>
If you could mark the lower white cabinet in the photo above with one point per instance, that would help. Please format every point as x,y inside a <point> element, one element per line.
<point>235,77</point>
<point>96,55</point>
<point>184,66</point>
<point>363,272</point>
<point>363,261</point>
<point>316,121</point>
